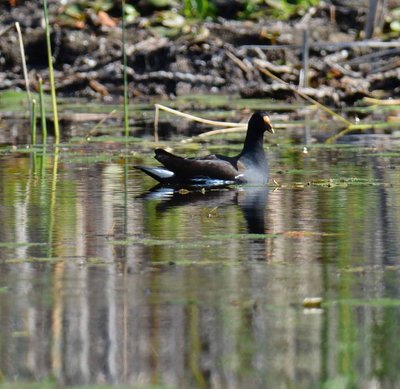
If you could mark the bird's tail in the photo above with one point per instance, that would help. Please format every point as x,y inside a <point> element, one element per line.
<point>159,173</point>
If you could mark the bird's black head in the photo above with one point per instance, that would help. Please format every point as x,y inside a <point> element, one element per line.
<point>261,121</point>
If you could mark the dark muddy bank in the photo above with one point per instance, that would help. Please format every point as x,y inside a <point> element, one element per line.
<point>169,59</point>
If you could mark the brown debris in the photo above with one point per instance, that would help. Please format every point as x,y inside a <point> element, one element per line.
<point>212,57</point>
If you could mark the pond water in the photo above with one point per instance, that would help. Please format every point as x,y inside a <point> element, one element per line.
<point>103,281</point>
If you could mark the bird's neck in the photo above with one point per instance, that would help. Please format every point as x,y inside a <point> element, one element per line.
<point>253,144</point>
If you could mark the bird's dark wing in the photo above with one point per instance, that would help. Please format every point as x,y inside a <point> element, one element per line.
<point>211,166</point>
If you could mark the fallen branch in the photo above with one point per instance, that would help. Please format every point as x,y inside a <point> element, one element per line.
<point>238,62</point>
<point>328,45</point>
<point>94,129</point>
<point>284,69</point>
<point>187,116</point>
<point>216,132</point>
<point>370,100</point>
<point>304,96</point>
<point>178,76</point>
<point>355,127</point>
<point>2,32</point>
<point>239,128</point>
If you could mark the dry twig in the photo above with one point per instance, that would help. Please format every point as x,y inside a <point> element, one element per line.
<point>187,116</point>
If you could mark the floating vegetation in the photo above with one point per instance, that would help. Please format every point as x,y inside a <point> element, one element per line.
<point>165,242</point>
<point>330,183</point>
<point>13,245</point>
<point>95,261</point>
<point>32,260</point>
<point>205,241</point>
<point>370,268</point>
<point>305,234</point>
<point>3,289</point>
<point>377,303</point>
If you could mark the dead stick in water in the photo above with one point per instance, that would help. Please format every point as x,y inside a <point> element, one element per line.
<point>230,130</point>
<point>239,128</point>
<point>371,100</point>
<point>187,116</point>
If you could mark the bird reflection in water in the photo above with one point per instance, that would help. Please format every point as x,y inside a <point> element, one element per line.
<point>252,200</point>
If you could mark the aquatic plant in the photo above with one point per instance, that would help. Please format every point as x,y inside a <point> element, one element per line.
<point>125,65</point>
<point>51,74</point>
<point>31,102</point>
<point>198,8</point>
<point>286,9</point>
<point>23,59</point>
<point>33,121</point>
<point>42,111</point>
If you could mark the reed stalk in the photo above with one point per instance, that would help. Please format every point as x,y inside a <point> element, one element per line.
<point>303,82</point>
<point>31,102</point>
<point>43,162</point>
<point>53,203</point>
<point>51,74</point>
<point>371,19</point>
<point>33,121</point>
<point>35,162</point>
<point>42,112</point>
<point>125,65</point>
<point>23,58</point>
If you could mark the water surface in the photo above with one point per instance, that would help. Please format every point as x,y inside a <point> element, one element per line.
<point>103,281</point>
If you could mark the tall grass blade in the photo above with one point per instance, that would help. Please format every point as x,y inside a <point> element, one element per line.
<point>51,74</point>
<point>43,163</point>
<point>303,82</point>
<point>371,19</point>
<point>33,121</point>
<point>31,102</point>
<point>125,65</point>
<point>42,112</point>
<point>53,203</point>
<point>24,67</point>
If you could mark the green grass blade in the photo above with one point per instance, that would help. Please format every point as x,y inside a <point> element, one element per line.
<point>42,112</point>
<point>124,59</point>
<point>51,74</point>
<point>33,121</point>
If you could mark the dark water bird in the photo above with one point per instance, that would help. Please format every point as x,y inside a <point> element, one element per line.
<point>250,166</point>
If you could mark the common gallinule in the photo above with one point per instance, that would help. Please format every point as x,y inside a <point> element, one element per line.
<point>250,166</point>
